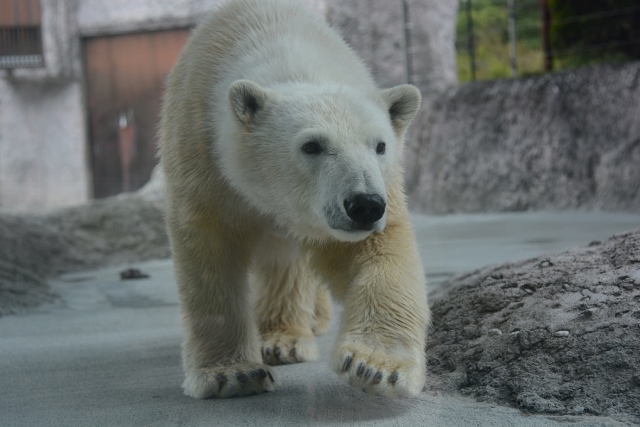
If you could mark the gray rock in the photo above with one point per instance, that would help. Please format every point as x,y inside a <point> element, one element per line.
<point>376,30</point>
<point>568,140</point>
<point>119,230</point>
<point>21,288</point>
<point>572,332</point>
<point>432,45</point>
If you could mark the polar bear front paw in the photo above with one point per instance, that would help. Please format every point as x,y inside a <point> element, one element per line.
<point>380,372</point>
<point>240,379</point>
<point>281,348</point>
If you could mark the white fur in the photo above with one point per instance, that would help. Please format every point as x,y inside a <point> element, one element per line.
<point>259,227</point>
<point>307,95</point>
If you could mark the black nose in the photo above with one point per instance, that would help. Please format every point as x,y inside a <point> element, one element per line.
<point>365,209</point>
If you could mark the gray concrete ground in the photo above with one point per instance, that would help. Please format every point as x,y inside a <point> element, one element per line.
<point>108,351</point>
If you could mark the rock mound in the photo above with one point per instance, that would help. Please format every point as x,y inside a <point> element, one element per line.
<point>118,230</point>
<point>568,140</point>
<point>553,334</point>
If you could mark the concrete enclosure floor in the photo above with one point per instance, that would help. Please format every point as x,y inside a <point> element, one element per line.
<point>108,351</point>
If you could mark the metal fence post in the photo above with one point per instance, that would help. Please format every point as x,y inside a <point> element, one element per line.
<point>546,43</point>
<point>408,64</point>
<point>470,41</point>
<point>512,38</point>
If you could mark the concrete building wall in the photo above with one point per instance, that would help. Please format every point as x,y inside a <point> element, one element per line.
<point>375,29</point>
<point>42,121</point>
<point>44,159</point>
<point>42,144</point>
<point>432,48</point>
<point>98,17</point>
<point>402,41</point>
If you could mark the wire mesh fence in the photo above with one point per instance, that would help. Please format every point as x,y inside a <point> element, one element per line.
<point>510,38</point>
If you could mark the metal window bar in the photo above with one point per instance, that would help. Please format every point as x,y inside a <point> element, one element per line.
<point>20,34</point>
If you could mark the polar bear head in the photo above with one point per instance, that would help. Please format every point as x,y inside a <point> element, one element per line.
<point>317,159</point>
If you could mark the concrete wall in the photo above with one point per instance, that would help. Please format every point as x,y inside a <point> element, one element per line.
<point>98,17</point>
<point>42,144</point>
<point>44,159</point>
<point>432,45</point>
<point>402,41</point>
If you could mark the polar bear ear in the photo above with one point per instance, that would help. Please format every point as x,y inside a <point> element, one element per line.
<point>403,102</point>
<point>247,99</point>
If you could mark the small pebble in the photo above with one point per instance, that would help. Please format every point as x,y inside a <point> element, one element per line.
<point>494,332</point>
<point>561,334</point>
<point>133,273</point>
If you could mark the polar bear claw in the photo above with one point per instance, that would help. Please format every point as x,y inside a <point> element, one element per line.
<point>281,348</point>
<point>378,373</point>
<point>240,379</point>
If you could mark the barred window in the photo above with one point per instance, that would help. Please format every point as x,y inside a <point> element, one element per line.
<point>20,34</point>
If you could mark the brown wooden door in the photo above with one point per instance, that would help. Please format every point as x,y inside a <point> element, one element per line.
<point>125,79</point>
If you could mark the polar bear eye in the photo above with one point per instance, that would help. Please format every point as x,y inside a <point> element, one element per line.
<point>381,148</point>
<point>312,148</point>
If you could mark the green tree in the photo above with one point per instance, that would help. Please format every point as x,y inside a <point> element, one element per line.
<point>491,39</point>
<point>584,32</point>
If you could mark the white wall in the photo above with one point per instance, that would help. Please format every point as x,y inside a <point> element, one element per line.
<point>120,16</point>
<point>43,159</point>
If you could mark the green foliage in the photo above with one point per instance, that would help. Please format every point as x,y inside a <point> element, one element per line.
<point>584,32</point>
<point>491,39</point>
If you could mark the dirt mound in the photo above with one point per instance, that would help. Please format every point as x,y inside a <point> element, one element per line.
<point>553,334</point>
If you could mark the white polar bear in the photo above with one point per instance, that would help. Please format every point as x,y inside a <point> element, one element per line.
<point>283,168</point>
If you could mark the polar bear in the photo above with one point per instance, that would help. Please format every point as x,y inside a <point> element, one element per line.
<point>283,179</point>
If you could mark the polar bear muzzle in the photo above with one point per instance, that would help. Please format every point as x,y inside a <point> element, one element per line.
<point>365,210</point>
<point>360,215</point>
